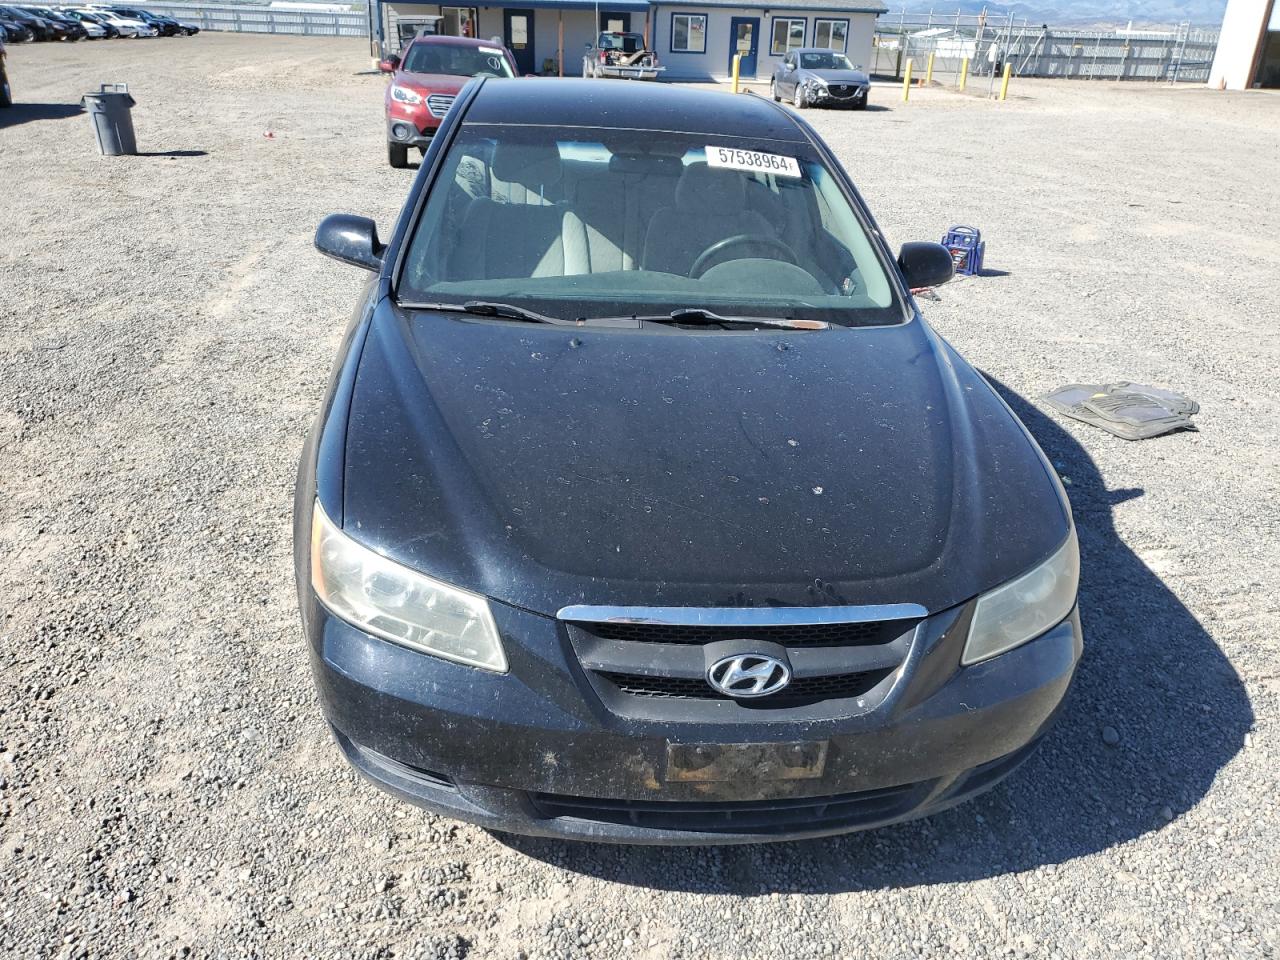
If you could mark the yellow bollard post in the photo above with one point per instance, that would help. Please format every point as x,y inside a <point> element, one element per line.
<point>964,73</point>
<point>1004,84</point>
<point>928,73</point>
<point>906,82</point>
<point>737,63</point>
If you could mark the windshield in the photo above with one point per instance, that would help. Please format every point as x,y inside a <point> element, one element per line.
<point>584,222</point>
<point>456,60</point>
<point>825,61</point>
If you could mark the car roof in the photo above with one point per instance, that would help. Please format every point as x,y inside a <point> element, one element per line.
<point>817,50</point>
<point>570,102</point>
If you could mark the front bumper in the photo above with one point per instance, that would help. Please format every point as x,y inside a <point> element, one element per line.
<point>822,96</point>
<point>536,752</point>
<point>412,124</point>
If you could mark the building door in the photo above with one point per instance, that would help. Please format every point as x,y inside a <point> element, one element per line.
<point>518,34</point>
<point>744,38</point>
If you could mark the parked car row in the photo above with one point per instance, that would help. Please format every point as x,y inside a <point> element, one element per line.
<point>27,23</point>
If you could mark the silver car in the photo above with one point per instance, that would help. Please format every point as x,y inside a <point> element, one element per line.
<point>817,77</point>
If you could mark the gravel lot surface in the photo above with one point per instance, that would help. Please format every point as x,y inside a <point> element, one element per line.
<point>167,786</point>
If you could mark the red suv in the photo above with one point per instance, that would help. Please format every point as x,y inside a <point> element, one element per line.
<point>425,78</point>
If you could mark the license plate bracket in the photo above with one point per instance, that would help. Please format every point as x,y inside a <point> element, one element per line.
<point>745,762</point>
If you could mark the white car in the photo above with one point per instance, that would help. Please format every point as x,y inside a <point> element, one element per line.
<point>126,26</point>
<point>92,27</point>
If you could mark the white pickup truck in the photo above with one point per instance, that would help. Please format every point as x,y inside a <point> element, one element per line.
<point>622,55</point>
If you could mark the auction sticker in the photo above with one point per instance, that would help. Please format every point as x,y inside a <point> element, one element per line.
<point>753,161</point>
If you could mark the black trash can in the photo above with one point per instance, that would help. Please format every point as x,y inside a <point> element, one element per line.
<point>112,123</point>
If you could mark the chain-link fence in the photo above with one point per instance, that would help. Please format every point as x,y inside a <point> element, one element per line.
<point>260,18</point>
<point>987,43</point>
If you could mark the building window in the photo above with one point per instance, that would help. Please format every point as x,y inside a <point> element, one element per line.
<point>688,33</point>
<point>611,22</point>
<point>459,21</point>
<point>788,35</point>
<point>833,34</point>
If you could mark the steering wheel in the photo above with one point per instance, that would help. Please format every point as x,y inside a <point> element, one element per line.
<point>740,240</point>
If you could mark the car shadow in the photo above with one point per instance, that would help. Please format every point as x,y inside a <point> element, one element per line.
<point>1150,672</point>
<point>20,113</point>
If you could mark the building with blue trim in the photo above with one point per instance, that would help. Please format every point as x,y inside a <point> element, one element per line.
<point>693,41</point>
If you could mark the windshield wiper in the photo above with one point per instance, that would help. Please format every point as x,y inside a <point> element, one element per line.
<point>509,311</point>
<point>699,317</point>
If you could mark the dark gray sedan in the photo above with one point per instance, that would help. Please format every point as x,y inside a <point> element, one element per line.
<point>814,77</point>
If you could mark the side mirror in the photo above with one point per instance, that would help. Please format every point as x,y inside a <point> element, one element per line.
<point>389,64</point>
<point>351,239</point>
<point>925,264</point>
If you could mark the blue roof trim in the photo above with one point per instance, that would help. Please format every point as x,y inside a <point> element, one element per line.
<point>641,5</point>
<point>816,6</point>
<point>605,5</point>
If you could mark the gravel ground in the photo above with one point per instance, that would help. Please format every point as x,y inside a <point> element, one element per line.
<point>167,786</point>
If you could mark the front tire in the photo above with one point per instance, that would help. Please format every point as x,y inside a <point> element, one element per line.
<point>398,155</point>
<point>6,95</point>
<point>798,99</point>
<point>773,91</point>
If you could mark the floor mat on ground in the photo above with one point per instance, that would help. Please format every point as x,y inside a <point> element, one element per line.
<point>1133,411</point>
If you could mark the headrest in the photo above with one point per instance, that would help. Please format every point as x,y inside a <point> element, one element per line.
<point>705,189</point>
<point>532,165</point>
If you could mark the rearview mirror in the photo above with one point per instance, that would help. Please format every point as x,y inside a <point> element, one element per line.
<point>925,264</point>
<point>388,64</point>
<point>351,239</point>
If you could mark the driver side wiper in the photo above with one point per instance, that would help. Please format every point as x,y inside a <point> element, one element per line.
<point>699,317</point>
<point>509,311</point>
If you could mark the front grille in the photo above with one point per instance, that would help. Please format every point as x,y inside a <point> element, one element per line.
<point>800,690</point>
<point>639,658</point>
<point>439,104</point>
<point>802,635</point>
<point>843,89</point>
<point>746,816</point>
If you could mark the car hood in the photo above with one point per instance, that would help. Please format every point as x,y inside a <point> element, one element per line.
<point>838,76</point>
<point>434,82</point>
<point>545,466</point>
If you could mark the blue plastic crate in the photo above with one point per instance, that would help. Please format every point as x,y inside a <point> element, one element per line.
<point>967,248</point>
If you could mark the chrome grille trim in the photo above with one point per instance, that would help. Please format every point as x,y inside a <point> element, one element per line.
<point>439,103</point>
<point>742,616</point>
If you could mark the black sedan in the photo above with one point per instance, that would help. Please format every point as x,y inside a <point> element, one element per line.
<point>643,505</point>
<point>42,28</point>
<point>12,31</point>
<point>820,78</point>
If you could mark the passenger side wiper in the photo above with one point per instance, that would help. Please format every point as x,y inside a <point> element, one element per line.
<point>698,317</point>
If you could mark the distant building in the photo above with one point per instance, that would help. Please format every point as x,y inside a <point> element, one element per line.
<point>694,39</point>
<point>1248,53</point>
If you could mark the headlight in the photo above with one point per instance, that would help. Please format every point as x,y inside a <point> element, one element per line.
<point>398,604</point>
<point>1022,609</point>
<point>405,95</point>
